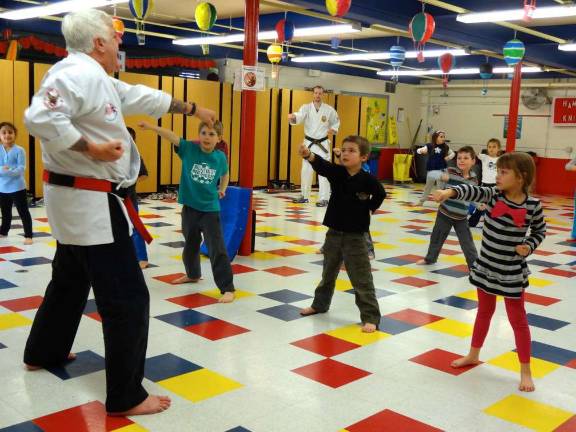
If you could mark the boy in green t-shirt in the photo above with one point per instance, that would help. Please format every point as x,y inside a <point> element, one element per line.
<point>203,183</point>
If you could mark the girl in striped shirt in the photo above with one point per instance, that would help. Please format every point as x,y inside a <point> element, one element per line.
<point>501,267</point>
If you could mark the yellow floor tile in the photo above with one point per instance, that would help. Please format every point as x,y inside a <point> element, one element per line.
<point>388,220</point>
<point>52,243</point>
<point>384,246</point>
<point>376,233</point>
<point>354,334</point>
<point>305,249</point>
<point>265,228</point>
<point>319,228</point>
<point>11,320</point>
<point>343,285</point>
<point>477,237</point>
<point>215,293</point>
<point>414,241</point>
<point>451,327</point>
<point>558,222</point>
<point>406,271</point>
<point>284,238</point>
<point>264,256</point>
<point>200,385</point>
<point>540,283</point>
<point>528,413</point>
<point>45,229</point>
<point>453,259</point>
<point>509,361</point>
<point>176,257</point>
<point>131,428</point>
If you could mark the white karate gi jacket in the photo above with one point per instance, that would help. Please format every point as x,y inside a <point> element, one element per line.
<point>317,124</point>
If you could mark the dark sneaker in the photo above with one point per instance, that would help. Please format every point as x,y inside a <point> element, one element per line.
<point>300,200</point>
<point>322,203</point>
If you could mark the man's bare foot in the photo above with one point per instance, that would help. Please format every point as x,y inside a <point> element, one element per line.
<point>369,328</point>
<point>465,361</point>
<point>28,241</point>
<point>227,297</point>
<point>71,357</point>
<point>151,405</point>
<point>143,264</point>
<point>184,279</point>
<point>526,382</point>
<point>308,311</point>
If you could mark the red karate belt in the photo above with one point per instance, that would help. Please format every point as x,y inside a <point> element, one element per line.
<point>99,185</point>
<point>518,215</point>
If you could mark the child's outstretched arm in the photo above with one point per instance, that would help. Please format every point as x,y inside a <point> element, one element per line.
<point>466,192</point>
<point>322,167</point>
<point>163,132</point>
<point>537,230</point>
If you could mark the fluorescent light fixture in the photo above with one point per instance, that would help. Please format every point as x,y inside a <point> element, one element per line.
<point>56,8</point>
<point>461,71</point>
<point>517,14</point>
<point>373,56</point>
<point>567,47</point>
<point>270,35</point>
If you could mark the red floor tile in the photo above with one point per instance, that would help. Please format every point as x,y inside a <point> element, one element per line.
<point>169,278</point>
<point>390,421</point>
<point>325,345</point>
<point>543,252</point>
<point>303,242</point>
<point>568,426</point>
<point>267,214</point>
<point>45,220</point>
<point>22,304</point>
<point>452,242</point>
<point>413,227</point>
<point>90,417</point>
<point>216,329</point>
<point>284,252</point>
<point>193,300</point>
<point>9,249</point>
<point>539,299</point>
<point>449,252</point>
<point>559,272</point>
<point>414,282</point>
<point>571,253</point>
<point>95,316</point>
<point>421,221</point>
<point>415,317</point>
<point>239,269</point>
<point>571,364</point>
<point>440,360</point>
<point>409,257</point>
<point>150,216</point>
<point>284,271</point>
<point>331,373</point>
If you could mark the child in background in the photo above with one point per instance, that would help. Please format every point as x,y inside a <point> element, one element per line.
<point>203,168</point>
<point>452,213</point>
<point>12,183</point>
<point>488,175</point>
<point>355,194</point>
<point>139,243</point>
<point>501,268</point>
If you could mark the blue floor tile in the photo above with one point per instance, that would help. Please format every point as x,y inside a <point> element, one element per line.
<point>86,362</point>
<point>4,284</point>
<point>284,312</point>
<point>166,366</point>
<point>38,234</point>
<point>392,326</point>
<point>266,234</point>
<point>286,296</point>
<point>380,293</point>
<point>238,429</point>
<point>419,232</point>
<point>458,302</point>
<point>27,262</point>
<point>158,224</point>
<point>174,244</point>
<point>545,322</point>
<point>162,208</point>
<point>185,318</point>
<point>551,353</point>
<point>541,263</point>
<point>568,243</point>
<point>450,272</point>
<point>395,261</point>
<point>2,345</point>
<point>90,306</point>
<point>22,427</point>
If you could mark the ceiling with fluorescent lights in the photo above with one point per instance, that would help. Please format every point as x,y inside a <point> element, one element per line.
<point>384,23</point>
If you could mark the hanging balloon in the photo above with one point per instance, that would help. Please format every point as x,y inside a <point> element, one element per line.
<point>140,9</point>
<point>514,52</point>
<point>205,49</point>
<point>397,57</point>
<point>118,25</point>
<point>338,8</point>
<point>529,8</point>
<point>421,29</point>
<point>205,16</point>
<point>335,43</point>
<point>446,63</point>
<point>486,73</point>
<point>274,53</point>
<point>285,30</point>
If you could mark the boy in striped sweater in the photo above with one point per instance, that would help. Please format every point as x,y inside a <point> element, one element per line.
<point>501,268</point>
<point>454,214</point>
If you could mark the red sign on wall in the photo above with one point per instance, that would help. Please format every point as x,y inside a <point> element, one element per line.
<point>564,111</point>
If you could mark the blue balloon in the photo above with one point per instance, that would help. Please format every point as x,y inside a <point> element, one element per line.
<point>397,56</point>
<point>335,43</point>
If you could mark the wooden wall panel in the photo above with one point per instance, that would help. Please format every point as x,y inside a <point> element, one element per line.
<point>147,141</point>
<point>7,86</point>
<point>226,116</point>
<point>21,102</point>
<point>273,139</point>
<point>206,94</point>
<point>40,70</point>
<point>261,144</point>
<point>348,112</point>
<point>178,129</point>
<point>235,140</point>
<point>165,145</point>
<point>363,121</point>
<point>285,94</point>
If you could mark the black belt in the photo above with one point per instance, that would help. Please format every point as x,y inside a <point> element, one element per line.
<point>318,142</point>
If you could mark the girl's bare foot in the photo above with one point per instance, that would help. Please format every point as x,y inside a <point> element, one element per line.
<point>465,361</point>
<point>421,262</point>
<point>369,328</point>
<point>151,405</point>
<point>308,311</point>
<point>71,357</point>
<point>28,241</point>
<point>184,279</point>
<point>227,297</point>
<point>143,264</point>
<point>526,382</point>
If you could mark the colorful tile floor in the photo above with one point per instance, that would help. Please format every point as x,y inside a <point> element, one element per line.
<point>256,365</point>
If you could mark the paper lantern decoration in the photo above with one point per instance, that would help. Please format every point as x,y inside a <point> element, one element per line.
<point>285,30</point>
<point>274,53</point>
<point>205,16</point>
<point>446,63</point>
<point>338,8</point>
<point>335,43</point>
<point>514,52</point>
<point>486,73</point>
<point>397,57</point>
<point>529,8</point>
<point>421,29</point>
<point>140,9</point>
<point>118,25</point>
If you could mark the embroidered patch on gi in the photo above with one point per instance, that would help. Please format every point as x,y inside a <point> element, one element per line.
<point>362,196</point>
<point>110,112</point>
<point>323,118</point>
<point>52,99</point>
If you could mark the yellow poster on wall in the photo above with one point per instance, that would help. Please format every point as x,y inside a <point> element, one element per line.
<point>376,120</point>
<point>392,131</point>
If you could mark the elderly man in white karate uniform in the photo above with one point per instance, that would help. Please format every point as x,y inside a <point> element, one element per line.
<point>90,159</point>
<point>320,121</point>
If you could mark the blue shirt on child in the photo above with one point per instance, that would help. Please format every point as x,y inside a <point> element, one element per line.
<point>201,172</point>
<point>12,179</point>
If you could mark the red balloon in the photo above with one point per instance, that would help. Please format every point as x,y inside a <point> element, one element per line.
<point>446,62</point>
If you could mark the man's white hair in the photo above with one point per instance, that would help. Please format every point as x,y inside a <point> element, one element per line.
<point>82,27</point>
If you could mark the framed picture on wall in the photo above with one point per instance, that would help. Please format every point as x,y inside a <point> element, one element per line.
<point>518,127</point>
<point>376,120</point>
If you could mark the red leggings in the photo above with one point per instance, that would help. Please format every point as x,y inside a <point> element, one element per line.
<point>516,317</point>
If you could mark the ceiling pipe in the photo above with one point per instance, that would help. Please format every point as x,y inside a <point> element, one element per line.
<point>525,84</point>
